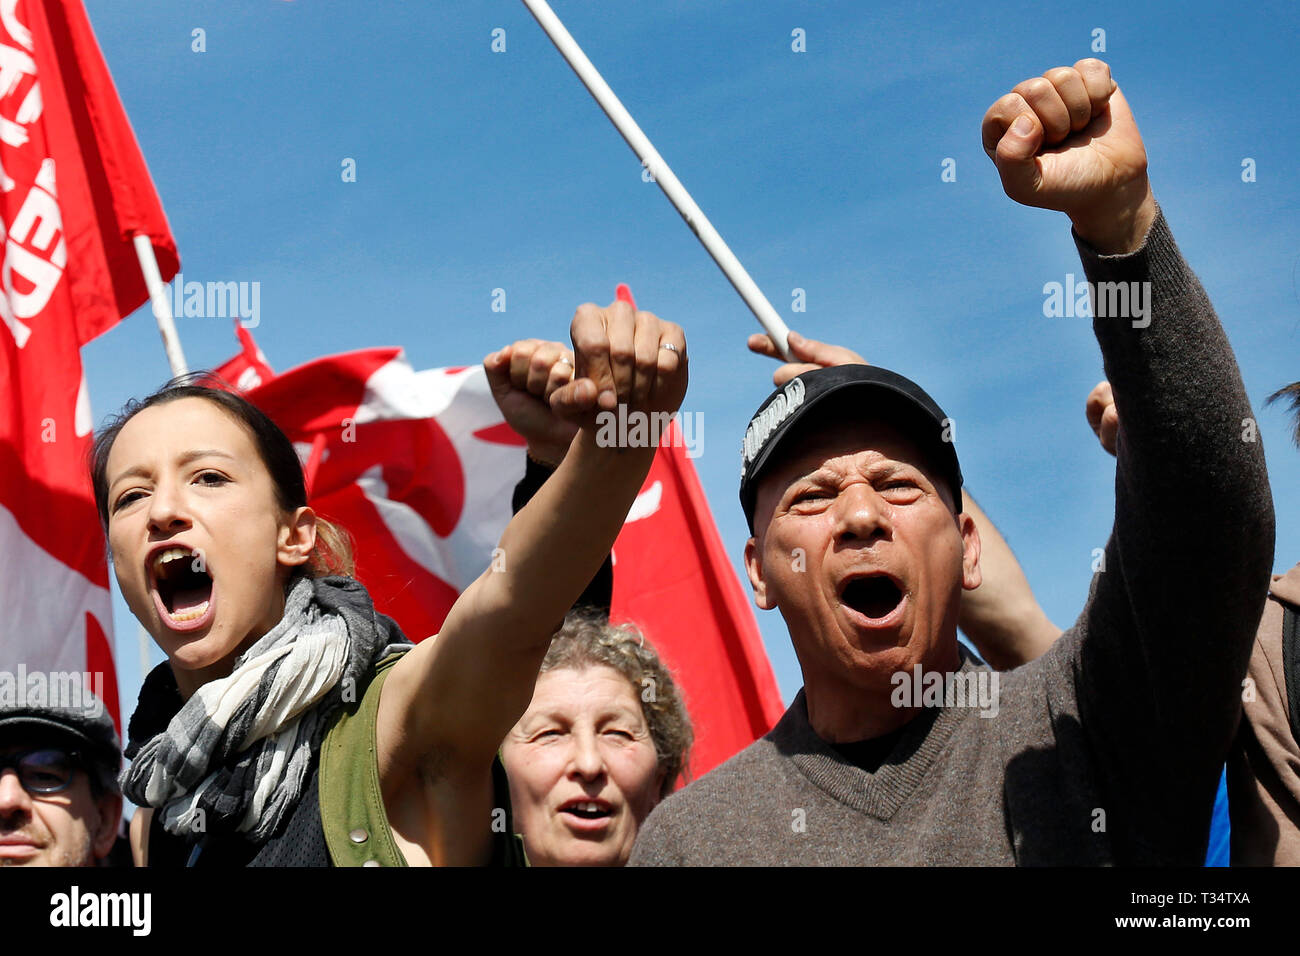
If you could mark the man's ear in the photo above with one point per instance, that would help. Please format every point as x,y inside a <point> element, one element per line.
<point>754,568</point>
<point>109,806</point>
<point>297,537</point>
<point>970,559</point>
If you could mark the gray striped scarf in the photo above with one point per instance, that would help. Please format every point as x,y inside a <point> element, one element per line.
<point>236,755</point>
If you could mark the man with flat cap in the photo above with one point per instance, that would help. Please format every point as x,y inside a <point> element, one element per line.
<point>901,748</point>
<point>60,803</point>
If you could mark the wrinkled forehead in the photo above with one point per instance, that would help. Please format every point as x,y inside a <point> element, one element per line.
<point>584,687</point>
<point>839,441</point>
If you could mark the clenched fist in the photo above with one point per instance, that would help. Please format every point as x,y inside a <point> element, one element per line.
<point>623,357</point>
<point>523,377</point>
<point>1066,140</point>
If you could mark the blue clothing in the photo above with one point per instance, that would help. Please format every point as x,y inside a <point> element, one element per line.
<point>1220,831</point>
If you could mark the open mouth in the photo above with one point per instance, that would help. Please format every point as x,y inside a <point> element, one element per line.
<point>587,809</point>
<point>182,584</point>
<point>873,597</point>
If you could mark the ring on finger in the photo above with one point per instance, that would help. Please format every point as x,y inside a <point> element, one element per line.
<point>670,347</point>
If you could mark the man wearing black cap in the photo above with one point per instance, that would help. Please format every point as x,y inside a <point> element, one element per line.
<point>60,803</point>
<point>901,749</point>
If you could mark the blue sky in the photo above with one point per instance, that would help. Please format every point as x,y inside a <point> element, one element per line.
<point>478,170</point>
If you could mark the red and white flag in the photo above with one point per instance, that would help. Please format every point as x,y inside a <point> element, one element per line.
<point>73,190</point>
<point>419,467</point>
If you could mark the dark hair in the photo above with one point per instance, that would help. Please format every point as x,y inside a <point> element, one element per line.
<point>587,639</point>
<point>333,551</point>
<point>1291,392</point>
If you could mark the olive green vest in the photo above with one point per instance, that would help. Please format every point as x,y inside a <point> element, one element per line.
<point>352,812</point>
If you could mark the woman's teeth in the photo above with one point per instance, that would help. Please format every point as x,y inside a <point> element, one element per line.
<point>191,614</point>
<point>166,557</point>
<point>183,585</point>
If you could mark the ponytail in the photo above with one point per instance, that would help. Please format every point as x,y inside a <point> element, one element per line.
<point>332,553</point>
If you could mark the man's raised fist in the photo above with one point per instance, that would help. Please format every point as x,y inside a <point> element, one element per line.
<point>1066,140</point>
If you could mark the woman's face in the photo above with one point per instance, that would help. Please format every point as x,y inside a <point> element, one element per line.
<point>582,768</point>
<point>200,546</point>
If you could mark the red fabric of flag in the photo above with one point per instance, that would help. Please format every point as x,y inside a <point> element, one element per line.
<point>73,190</point>
<point>248,369</point>
<point>673,579</point>
<point>105,192</point>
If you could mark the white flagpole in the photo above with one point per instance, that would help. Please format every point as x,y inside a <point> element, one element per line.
<point>162,312</point>
<point>749,291</point>
<point>162,307</point>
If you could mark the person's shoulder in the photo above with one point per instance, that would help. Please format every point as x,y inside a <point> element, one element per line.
<point>1267,661</point>
<point>697,818</point>
<point>736,774</point>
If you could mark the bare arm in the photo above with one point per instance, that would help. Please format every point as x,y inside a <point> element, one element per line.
<point>139,833</point>
<point>1001,616</point>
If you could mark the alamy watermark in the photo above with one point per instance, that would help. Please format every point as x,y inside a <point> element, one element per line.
<point>622,428</point>
<point>972,688</point>
<point>1105,300</point>
<point>216,300</point>
<point>133,910</point>
<point>68,690</point>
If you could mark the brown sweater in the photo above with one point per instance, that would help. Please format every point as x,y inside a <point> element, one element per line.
<point>1264,765</point>
<point>1109,747</point>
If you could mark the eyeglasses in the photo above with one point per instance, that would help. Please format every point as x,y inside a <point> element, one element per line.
<point>48,770</point>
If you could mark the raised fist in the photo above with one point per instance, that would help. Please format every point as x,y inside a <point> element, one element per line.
<point>523,376</point>
<point>1066,140</point>
<point>623,357</point>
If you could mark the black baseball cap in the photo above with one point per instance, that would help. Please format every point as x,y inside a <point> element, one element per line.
<point>87,727</point>
<point>874,393</point>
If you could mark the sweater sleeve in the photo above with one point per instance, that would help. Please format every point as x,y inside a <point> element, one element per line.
<point>1159,653</point>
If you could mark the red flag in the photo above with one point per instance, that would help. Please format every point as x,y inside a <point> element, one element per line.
<point>672,578</point>
<point>420,468</point>
<point>248,369</point>
<point>73,190</point>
